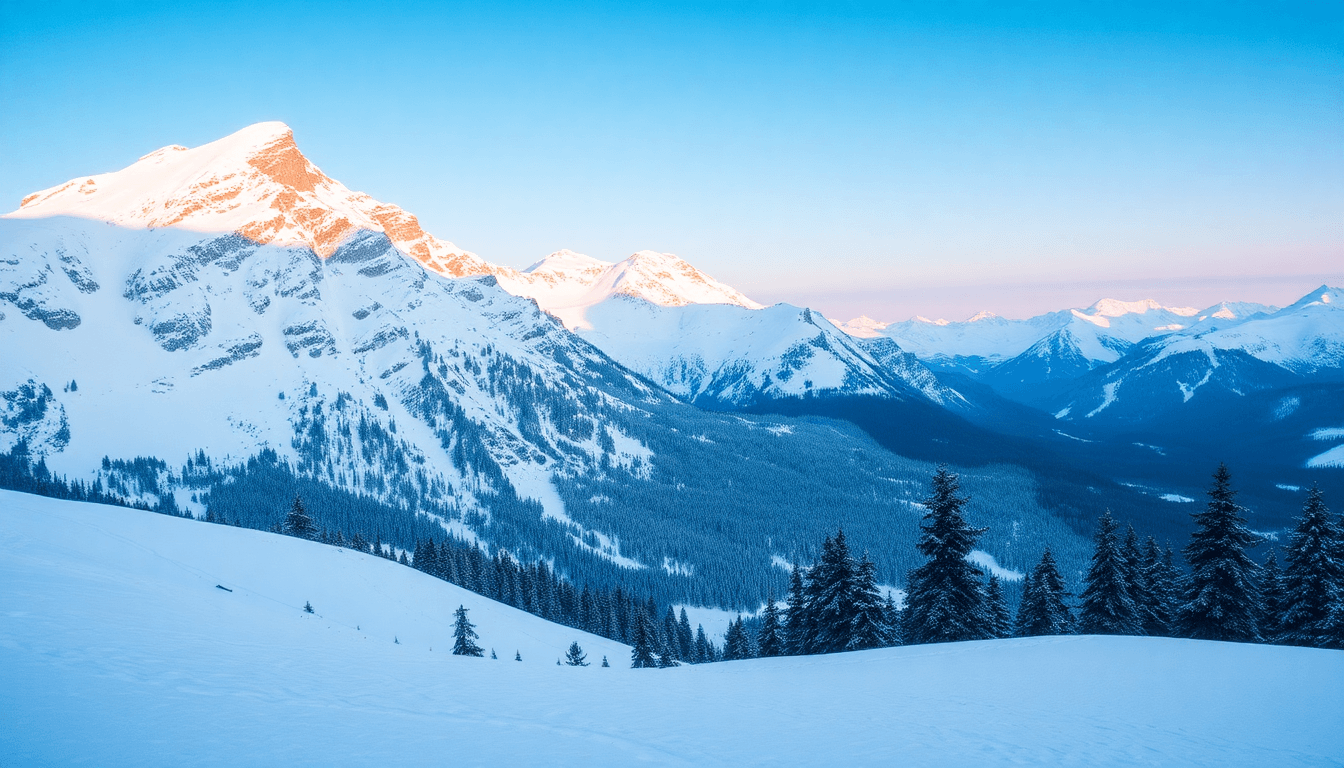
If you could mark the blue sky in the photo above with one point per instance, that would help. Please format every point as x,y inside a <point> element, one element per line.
<point>887,159</point>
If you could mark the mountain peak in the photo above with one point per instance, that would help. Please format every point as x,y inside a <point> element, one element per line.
<point>1118,308</point>
<point>1325,295</point>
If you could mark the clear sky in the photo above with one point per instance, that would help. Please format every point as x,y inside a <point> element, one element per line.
<point>889,159</point>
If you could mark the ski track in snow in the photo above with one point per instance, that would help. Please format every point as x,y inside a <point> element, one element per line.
<point>119,650</point>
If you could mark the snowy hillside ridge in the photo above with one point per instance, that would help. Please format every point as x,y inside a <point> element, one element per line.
<point>566,284</point>
<point>204,676</point>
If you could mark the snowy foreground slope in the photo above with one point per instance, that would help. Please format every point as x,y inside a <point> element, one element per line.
<point>116,648</point>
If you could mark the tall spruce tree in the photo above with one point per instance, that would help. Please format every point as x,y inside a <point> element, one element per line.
<point>1107,607</point>
<point>1000,624</point>
<point>735,643</point>
<point>1161,581</point>
<point>1043,610</point>
<point>297,522</point>
<point>703,653</point>
<point>1221,602</point>
<point>1136,578</point>
<point>464,635</point>
<point>685,638</point>
<point>1271,599</point>
<point>831,589</point>
<point>797,629</point>
<point>642,640</point>
<point>945,602</point>
<point>1313,579</point>
<point>868,627</point>
<point>770,638</point>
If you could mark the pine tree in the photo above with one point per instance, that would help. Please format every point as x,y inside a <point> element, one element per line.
<point>797,629</point>
<point>671,631</point>
<point>1107,607</point>
<point>734,641</point>
<point>685,638</point>
<point>831,592</point>
<point>868,626</point>
<point>1136,578</point>
<point>945,602</point>
<point>492,654</point>
<point>604,662</point>
<point>1160,579</point>
<point>518,656</point>
<point>1271,600</point>
<point>1043,610</point>
<point>308,608</point>
<point>575,657</point>
<point>1221,601</point>
<point>297,522</point>
<point>1000,624</point>
<point>1313,579</point>
<point>464,634</point>
<point>770,638</point>
<point>703,654</point>
<point>642,640</point>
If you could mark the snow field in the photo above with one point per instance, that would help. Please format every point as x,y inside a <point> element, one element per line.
<point>116,648</point>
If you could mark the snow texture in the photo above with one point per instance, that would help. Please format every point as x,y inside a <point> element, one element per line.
<point>119,649</point>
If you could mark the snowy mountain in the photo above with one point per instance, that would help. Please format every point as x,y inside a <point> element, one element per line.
<point>567,284</point>
<point>1026,359</point>
<point>1301,343</point>
<point>224,318</point>
<point>146,662</point>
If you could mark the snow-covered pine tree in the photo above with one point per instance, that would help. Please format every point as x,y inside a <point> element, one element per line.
<point>685,637</point>
<point>1107,608</point>
<point>1313,578</point>
<point>642,640</point>
<point>464,635</point>
<point>308,607</point>
<point>1043,610</point>
<point>297,522</point>
<point>831,591</point>
<point>703,653</point>
<point>1221,602</point>
<point>735,641</point>
<point>1000,624</point>
<point>868,626</point>
<point>945,602</point>
<point>604,662</point>
<point>670,634</point>
<point>796,621</point>
<point>518,656</point>
<point>1161,580</point>
<point>1136,578</point>
<point>1271,599</point>
<point>574,656</point>
<point>770,639</point>
<point>893,618</point>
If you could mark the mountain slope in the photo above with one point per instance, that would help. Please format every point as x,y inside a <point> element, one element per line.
<point>208,372</point>
<point>147,663</point>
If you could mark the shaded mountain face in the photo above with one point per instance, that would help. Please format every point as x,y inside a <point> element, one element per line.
<point>221,327</point>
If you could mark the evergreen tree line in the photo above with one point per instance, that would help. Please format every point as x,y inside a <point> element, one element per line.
<point>1130,588</point>
<point>19,472</point>
<point>659,637</point>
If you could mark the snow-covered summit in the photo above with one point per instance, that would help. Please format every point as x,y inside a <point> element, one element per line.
<point>257,183</point>
<point>568,284</point>
<point>254,182</point>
